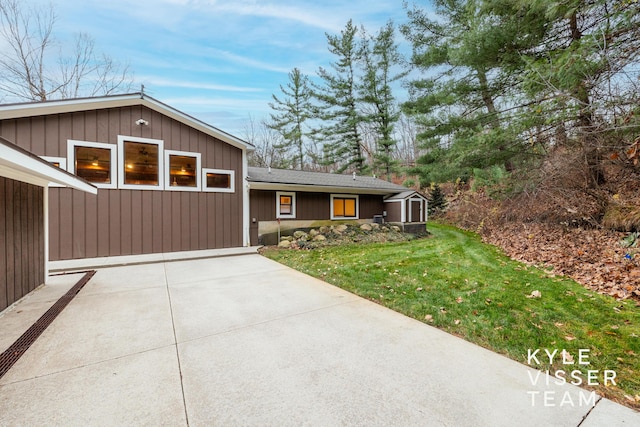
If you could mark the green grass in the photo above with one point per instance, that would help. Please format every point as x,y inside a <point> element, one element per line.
<point>455,282</point>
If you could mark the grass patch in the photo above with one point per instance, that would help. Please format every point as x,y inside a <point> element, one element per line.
<point>455,282</point>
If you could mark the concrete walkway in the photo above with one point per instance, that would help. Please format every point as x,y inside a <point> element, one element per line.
<point>242,340</point>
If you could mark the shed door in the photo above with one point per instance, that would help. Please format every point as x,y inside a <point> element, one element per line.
<point>415,210</point>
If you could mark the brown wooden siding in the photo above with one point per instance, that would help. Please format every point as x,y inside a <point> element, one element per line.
<point>394,213</point>
<point>125,222</point>
<point>22,244</point>
<point>309,206</point>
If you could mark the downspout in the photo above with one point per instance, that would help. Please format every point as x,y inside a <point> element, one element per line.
<point>245,200</point>
<point>45,215</point>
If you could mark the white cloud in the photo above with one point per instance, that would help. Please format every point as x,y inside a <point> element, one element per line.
<point>165,82</point>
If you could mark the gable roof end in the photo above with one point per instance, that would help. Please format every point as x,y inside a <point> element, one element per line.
<point>31,109</point>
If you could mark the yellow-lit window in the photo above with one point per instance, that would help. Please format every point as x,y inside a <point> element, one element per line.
<point>182,170</point>
<point>285,205</point>
<point>141,163</point>
<point>344,207</point>
<point>93,164</point>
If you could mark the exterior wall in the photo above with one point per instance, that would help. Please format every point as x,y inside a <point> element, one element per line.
<point>22,244</point>
<point>394,211</point>
<point>309,207</point>
<point>128,222</point>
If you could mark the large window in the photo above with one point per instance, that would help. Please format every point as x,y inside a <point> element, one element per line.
<point>344,206</point>
<point>93,161</point>
<point>218,180</point>
<point>285,205</point>
<point>182,171</point>
<point>140,163</point>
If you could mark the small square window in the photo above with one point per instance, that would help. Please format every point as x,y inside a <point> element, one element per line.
<point>59,162</point>
<point>218,180</point>
<point>285,205</point>
<point>183,171</point>
<point>140,163</point>
<point>92,161</point>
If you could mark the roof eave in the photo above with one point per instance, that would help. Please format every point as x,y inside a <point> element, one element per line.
<point>259,185</point>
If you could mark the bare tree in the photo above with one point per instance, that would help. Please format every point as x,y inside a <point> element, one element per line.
<point>270,150</point>
<point>29,70</point>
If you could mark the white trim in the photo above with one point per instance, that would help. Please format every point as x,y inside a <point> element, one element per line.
<point>232,180</point>
<point>246,213</point>
<point>45,202</point>
<point>121,163</point>
<point>403,211</point>
<point>71,156</point>
<point>167,174</point>
<point>292,215</point>
<point>345,196</point>
<point>256,185</point>
<point>62,161</point>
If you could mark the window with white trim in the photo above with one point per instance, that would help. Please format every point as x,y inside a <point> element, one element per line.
<point>140,163</point>
<point>93,161</point>
<point>285,204</point>
<point>218,180</point>
<point>344,206</point>
<point>182,171</point>
<point>59,162</point>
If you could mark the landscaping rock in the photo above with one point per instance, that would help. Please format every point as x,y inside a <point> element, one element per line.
<point>324,229</point>
<point>366,227</point>
<point>341,228</point>
<point>395,228</point>
<point>313,232</point>
<point>336,231</point>
<point>299,234</point>
<point>375,226</point>
<point>319,238</point>
<point>284,244</point>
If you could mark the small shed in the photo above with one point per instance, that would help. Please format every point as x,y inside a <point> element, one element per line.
<point>24,205</point>
<point>406,207</point>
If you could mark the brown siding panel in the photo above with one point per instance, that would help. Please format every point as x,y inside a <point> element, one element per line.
<point>119,222</point>
<point>22,245</point>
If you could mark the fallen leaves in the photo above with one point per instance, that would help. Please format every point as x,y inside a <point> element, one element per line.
<point>535,294</point>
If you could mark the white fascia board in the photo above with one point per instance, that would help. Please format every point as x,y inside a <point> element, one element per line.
<point>20,166</point>
<point>315,188</point>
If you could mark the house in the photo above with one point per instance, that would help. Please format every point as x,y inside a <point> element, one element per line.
<point>167,182</point>
<point>24,203</point>
<point>282,200</point>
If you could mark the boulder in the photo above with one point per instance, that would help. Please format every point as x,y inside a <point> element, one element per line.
<point>375,226</point>
<point>313,232</point>
<point>284,244</point>
<point>324,230</point>
<point>341,228</point>
<point>365,227</point>
<point>319,238</point>
<point>395,228</point>
<point>299,234</point>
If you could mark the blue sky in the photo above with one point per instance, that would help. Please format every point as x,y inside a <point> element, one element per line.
<point>219,60</point>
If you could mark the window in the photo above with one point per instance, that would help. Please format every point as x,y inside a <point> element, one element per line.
<point>285,205</point>
<point>140,163</point>
<point>344,206</point>
<point>182,171</point>
<point>59,162</point>
<point>93,161</point>
<point>218,180</point>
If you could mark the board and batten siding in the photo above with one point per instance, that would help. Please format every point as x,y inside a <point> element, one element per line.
<point>22,240</point>
<point>128,221</point>
<point>310,206</point>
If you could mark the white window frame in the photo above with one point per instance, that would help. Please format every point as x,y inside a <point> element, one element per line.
<point>229,172</point>
<point>292,215</point>
<point>345,196</point>
<point>121,163</point>
<point>63,165</point>
<point>167,175</point>
<point>71,160</point>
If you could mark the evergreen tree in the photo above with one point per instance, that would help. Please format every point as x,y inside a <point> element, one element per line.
<point>295,109</point>
<point>338,109</point>
<point>436,199</point>
<point>380,57</point>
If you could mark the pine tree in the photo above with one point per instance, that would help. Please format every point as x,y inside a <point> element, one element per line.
<point>380,56</point>
<point>338,109</point>
<point>436,199</point>
<point>295,109</point>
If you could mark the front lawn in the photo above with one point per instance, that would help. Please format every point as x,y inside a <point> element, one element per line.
<point>455,282</point>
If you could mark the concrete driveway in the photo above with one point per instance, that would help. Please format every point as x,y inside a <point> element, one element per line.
<point>242,340</point>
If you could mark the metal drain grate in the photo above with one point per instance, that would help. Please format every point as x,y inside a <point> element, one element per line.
<point>22,344</point>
